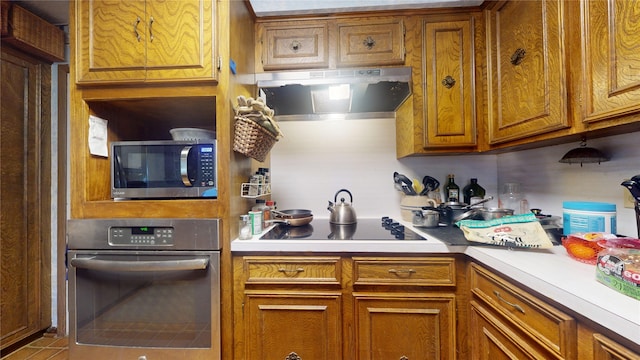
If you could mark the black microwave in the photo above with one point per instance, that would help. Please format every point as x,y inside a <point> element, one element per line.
<point>163,169</point>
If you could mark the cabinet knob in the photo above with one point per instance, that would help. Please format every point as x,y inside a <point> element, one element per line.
<point>448,82</point>
<point>404,357</point>
<point>369,42</point>
<point>295,46</point>
<point>518,56</point>
<point>293,356</point>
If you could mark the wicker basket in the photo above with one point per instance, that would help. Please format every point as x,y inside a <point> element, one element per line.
<point>251,139</point>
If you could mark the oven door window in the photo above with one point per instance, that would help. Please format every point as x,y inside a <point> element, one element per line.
<point>162,301</point>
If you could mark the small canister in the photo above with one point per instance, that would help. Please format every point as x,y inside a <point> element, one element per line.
<point>256,222</point>
<point>244,228</point>
<point>584,216</point>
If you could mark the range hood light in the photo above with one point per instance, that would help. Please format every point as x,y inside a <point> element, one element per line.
<point>340,92</point>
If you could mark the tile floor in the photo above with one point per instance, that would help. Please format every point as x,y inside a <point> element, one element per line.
<point>45,348</point>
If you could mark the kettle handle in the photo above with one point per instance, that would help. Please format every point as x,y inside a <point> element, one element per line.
<point>335,198</point>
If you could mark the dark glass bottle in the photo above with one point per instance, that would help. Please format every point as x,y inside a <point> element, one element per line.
<point>451,189</point>
<point>472,190</point>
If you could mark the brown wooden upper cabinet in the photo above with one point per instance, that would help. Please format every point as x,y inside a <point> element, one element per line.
<point>611,59</point>
<point>370,43</point>
<point>145,41</point>
<point>294,45</point>
<point>527,93</point>
<point>449,86</point>
<point>321,44</point>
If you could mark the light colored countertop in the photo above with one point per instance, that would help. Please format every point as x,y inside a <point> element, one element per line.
<point>549,272</point>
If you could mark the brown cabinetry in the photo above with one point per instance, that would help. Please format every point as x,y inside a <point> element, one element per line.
<point>441,116</point>
<point>25,301</point>
<point>326,307</point>
<point>611,59</point>
<point>290,307</point>
<point>330,43</point>
<point>138,41</point>
<point>371,43</point>
<point>294,45</point>
<point>398,313</point>
<point>509,320</point>
<point>527,92</point>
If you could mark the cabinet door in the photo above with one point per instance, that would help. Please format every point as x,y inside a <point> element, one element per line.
<point>110,40</point>
<point>404,326</point>
<point>371,43</point>
<point>300,45</point>
<point>611,58</point>
<point>180,40</point>
<point>24,189</point>
<point>135,41</point>
<point>494,340</point>
<point>449,86</point>
<point>526,69</point>
<point>286,325</point>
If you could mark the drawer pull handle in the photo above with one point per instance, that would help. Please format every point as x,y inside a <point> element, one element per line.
<point>291,271</point>
<point>401,271</point>
<point>295,46</point>
<point>515,306</point>
<point>404,357</point>
<point>135,28</point>
<point>293,356</point>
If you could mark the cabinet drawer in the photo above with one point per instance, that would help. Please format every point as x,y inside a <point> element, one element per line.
<point>371,43</point>
<point>404,271</point>
<point>544,323</point>
<point>292,270</point>
<point>297,46</point>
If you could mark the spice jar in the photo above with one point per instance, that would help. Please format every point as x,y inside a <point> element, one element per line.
<point>244,228</point>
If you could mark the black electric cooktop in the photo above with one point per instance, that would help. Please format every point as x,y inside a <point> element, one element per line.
<point>365,229</point>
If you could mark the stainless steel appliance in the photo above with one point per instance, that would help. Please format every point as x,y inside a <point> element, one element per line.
<point>144,289</point>
<point>163,169</point>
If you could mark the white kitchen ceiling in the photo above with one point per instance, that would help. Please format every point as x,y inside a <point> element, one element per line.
<point>298,7</point>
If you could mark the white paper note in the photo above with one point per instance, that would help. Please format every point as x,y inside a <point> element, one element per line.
<point>98,136</point>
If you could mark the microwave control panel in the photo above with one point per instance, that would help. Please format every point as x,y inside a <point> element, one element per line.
<point>141,236</point>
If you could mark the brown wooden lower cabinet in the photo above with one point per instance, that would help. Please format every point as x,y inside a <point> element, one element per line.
<point>405,326</point>
<point>403,308</point>
<point>283,325</point>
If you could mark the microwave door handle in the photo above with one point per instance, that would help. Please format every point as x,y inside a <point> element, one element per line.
<point>140,266</point>
<point>121,179</point>
<point>184,170</point>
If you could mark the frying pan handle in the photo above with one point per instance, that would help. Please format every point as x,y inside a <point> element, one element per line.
<point>335,198</point>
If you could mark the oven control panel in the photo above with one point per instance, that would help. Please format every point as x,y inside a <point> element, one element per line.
<point>141,236</point>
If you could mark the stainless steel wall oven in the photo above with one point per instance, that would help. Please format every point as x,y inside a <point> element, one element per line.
<point>144,289</point>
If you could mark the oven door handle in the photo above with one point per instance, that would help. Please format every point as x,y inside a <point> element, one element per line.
<point>139,266</point>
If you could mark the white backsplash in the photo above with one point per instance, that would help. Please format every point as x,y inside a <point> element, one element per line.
<point>315,159</point>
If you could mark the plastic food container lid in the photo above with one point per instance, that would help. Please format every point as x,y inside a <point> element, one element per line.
<point>588,206</point>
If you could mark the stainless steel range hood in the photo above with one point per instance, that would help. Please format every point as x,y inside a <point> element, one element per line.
<point>327,94</point>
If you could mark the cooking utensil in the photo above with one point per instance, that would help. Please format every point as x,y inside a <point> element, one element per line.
<point>494,213</point>
<point>404,180</point>
<point>430,184</point>
<point>343,212</point>
<point>488,198</point>
<point>428,217</point>
<point>292,213</point>
<point>301,221</point>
